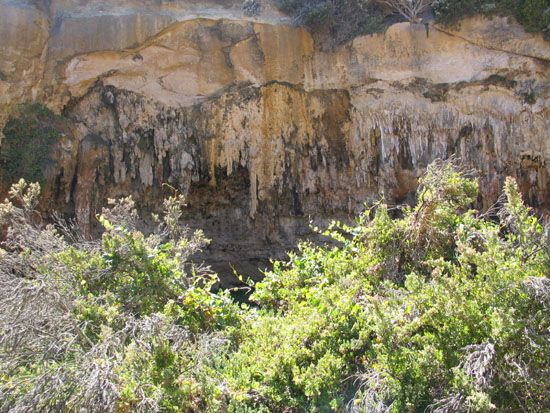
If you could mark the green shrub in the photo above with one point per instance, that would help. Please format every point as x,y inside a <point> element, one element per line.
<point>440,309</point>
<point>335,21</point>
<point>424,312</point>
<point>29,140</point>
<point>534,15</point>
<point>124,323</point>
<point>451,11</point>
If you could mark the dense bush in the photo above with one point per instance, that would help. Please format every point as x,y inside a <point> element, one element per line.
<point>534,15</point>
<point>442,309</point>
<point>252,8</point>
<point>335,21</point>
<point>120,324</point>
<point>27,148</point>
<point>433,308</point>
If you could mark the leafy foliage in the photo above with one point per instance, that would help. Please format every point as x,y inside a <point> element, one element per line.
<point>29,139</point>
<point>428,308</point>
<point>336,21</point>
<point>252,7</point>
<point>124,323</point>
<point>429,311</point>
<point>534,15</point>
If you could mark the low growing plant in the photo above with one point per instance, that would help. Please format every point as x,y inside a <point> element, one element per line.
<point>125,323</point>
<point>534,15</point>
<point>444,309</point>
<point>30,137</point>
<point>436,308</point>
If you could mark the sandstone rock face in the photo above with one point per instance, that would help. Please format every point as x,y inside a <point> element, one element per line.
<point>261,129</point>
<point>24,31</point>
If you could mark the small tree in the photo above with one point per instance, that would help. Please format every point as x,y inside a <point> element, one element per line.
<point>409,9</point>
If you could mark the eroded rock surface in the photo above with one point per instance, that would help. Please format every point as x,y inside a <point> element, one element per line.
<point>260,128</point>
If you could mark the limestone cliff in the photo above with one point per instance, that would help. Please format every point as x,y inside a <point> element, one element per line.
<point>259,127</point>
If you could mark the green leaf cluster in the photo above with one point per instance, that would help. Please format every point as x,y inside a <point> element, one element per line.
<point>337,21</point>
<point>534,15</point>
<point>435,307</point>
<point>130,324</point>
<point>29,140</point>
<point>386,320</point>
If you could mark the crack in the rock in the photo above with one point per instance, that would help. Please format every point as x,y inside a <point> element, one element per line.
<point>489,47</point>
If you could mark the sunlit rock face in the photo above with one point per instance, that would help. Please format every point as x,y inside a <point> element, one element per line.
<point>260,128</point>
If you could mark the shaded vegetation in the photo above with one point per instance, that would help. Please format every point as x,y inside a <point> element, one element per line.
<point>29,140</point>
<point>533,15</point>
<point>443,309</point>
<point>337,21</point>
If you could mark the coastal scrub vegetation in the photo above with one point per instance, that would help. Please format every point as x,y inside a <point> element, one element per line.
<point>533,15</point>
<point>436,307</point>
<point>29,139</point>
<point>337,21</point>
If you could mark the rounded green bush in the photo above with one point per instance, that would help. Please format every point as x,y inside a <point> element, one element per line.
<point>438,309</point>
<point>29,140</point>
<point>534,15</point>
